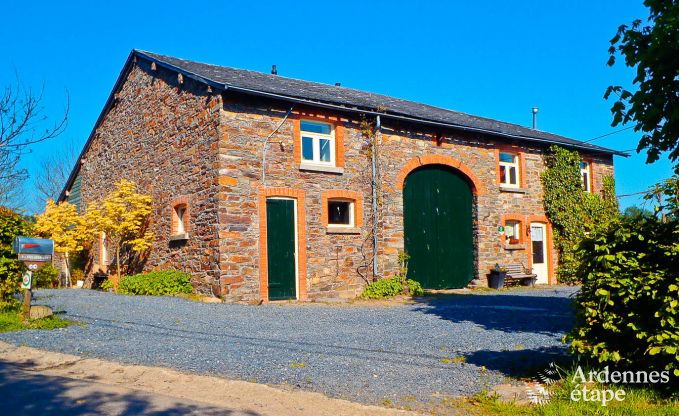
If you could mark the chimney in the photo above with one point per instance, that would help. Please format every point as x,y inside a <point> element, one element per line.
<point>535,118</point>
<point>274,71</point>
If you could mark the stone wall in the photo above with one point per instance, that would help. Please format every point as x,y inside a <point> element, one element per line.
<point>162,133</point>
<point>181,142</point>
<point>338,265</point>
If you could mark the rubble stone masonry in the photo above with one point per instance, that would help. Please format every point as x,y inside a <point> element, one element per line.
<point>180,141</point>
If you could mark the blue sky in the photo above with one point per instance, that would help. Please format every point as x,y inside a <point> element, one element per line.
<point>495,59</point>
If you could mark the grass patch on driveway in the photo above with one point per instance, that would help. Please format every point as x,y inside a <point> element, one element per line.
<point>11,320</point>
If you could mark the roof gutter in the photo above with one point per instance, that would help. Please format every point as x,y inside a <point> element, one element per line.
<point>414,119</point>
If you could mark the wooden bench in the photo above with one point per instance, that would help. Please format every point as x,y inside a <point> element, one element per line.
<point>516,272</point>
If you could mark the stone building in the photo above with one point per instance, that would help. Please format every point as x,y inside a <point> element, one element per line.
<point>267,187</point>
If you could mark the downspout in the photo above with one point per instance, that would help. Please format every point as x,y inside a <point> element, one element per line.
<point>378,128</point>
<point>266,142</point>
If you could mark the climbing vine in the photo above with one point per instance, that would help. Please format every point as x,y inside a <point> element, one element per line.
<point>371,143</point>
<point>573,212</point>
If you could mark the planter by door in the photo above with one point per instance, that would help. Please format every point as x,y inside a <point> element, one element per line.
<point>497,280</point>
<point>281,248</point>
<point>437,216</point>
<point>538,236</point>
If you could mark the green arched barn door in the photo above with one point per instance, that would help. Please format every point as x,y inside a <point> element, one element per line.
<point>437,216</point>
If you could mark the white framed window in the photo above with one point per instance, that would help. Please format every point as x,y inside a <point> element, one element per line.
<point>586,176</point>
<point>341,213</point>
<point>509,170</point>
<point>513,232</point>
<point>318,143</point>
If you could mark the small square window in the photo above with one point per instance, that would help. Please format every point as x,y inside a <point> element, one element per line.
<point>513,232</point>
<point>509,170</point>
<point>340,213</point>
<point>318,143</point>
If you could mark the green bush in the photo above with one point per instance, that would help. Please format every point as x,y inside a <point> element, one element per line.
<point>11,225</point>
<point>628,307</point>
<point>46,277</point>
<point>161,283</point>
<point>392,286</point>
<point>77,274</point>
<point>106,285</point>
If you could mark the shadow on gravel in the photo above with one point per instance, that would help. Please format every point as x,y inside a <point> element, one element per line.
<point>509,313</point>
<point>519,363</point>
<point>24,392</point>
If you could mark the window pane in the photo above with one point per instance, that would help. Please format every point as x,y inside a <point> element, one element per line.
<point>585,181</point>
<point>503,174</point>
<point>312,127</point>
<point>307,148</point>
<point>510,229</point>
<point>583,165</point>
<point>325,150</point>
<point>339,212</point>
<point>507,157</point>
<point>512,175</point>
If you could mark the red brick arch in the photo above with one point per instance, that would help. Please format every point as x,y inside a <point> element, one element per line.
<point>477,186</point>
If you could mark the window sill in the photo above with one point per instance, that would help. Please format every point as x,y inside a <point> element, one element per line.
<point>342,230</point>
<point>321,168</point>
<point>179,237</point>
<point>519,246</point>
<point>513,190</point>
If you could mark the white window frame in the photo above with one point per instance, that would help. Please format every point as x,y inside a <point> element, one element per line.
<point>352,211</point>
<point>587,170</point>
<point>516,227</point>
<point>508,165</point>
<point>316,144</point>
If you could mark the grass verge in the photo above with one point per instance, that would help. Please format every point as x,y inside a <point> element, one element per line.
<point>638,401</point>
<point>10,320</point>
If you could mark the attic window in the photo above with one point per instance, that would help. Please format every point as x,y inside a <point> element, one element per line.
<point>509,170</point>
<point>318,143</point>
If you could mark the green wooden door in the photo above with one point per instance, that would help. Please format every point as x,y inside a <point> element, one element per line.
<point>280,244</point>
<point>437,216</point>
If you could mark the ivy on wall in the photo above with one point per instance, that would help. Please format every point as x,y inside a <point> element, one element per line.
<point>573,212</point>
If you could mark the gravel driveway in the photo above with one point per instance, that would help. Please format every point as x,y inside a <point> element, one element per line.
<point>443,345</point>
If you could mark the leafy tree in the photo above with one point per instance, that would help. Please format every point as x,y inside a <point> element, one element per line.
<point>654,106</point>
<point>123,217</point>
<point>572,211</point>
<point>70,232</point>
<point>11,225</point>
<point>636,212</point>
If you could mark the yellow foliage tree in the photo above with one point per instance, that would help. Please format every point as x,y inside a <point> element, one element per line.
<point>61,223</point>
<point>123,216</point>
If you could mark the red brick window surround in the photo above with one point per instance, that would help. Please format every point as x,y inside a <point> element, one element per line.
<point>315,136</point>
<point>511,167</point>
<point>335,199</point>
<point>180,223</point>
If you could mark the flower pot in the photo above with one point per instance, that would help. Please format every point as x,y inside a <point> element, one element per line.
<point>497,280</point>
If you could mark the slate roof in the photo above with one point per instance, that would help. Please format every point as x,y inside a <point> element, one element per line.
<point>356,100</point>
